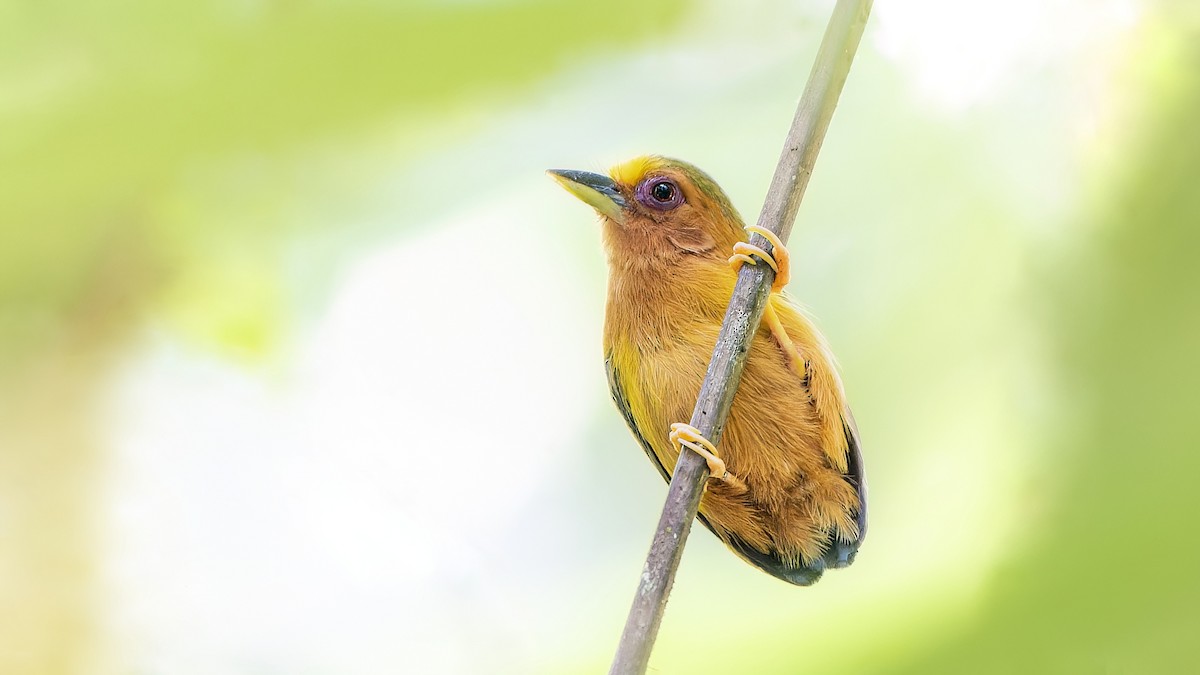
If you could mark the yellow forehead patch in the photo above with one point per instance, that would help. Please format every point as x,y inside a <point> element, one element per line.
<point>632,172</point>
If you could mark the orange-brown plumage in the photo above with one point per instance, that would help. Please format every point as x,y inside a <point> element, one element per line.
<point>793,501</point>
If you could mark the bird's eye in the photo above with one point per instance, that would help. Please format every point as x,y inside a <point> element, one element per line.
<point>661,194</point>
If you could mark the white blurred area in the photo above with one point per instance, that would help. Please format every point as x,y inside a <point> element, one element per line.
<point>960,54</point>
<point>364,504</point>
<point>350,511</point>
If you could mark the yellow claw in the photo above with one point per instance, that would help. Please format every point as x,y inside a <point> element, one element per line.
<point>689,436</point>
<point>780,262</point>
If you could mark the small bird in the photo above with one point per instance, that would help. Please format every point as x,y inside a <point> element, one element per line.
<point>786,490</point>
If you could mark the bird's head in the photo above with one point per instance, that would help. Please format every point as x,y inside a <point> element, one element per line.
<point>656,205</point>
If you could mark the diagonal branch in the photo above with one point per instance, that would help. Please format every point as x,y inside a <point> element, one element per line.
<point>741,321</point>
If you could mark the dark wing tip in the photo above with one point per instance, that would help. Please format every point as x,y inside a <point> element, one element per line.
<point>857,475</point>
<point>800,575</point>
<point>841,554</point>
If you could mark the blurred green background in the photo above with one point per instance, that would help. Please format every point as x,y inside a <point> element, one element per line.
<point>299,349</point>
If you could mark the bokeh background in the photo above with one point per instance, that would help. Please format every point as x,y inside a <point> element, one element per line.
<point>300,361</point>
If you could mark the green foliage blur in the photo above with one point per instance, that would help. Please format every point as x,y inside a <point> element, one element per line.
<point>1015,315</point>
<point>1107,585</point>
<point>108,108</point>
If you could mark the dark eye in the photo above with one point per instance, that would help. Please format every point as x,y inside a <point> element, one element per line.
<point>661,194</point>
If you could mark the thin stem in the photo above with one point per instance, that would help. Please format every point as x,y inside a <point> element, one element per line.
<point>745,310</point>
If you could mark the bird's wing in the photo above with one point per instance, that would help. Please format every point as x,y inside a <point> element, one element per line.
<point>856,474</point>
<point>842,444</point>
<point>622,400</point>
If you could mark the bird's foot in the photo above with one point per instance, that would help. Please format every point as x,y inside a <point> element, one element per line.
<point>689,436</point>
<point>780,261</point>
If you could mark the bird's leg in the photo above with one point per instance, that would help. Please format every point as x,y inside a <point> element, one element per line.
<point>690,436</point>
<point>794,358</point>
<point>780,262</point>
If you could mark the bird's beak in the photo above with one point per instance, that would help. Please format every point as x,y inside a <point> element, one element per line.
<point>597,191</point>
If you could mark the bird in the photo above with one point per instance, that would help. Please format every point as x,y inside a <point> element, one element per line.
<point>786,490</point>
